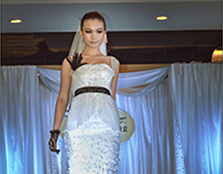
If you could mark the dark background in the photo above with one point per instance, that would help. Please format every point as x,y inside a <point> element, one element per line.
<point>140,47</point>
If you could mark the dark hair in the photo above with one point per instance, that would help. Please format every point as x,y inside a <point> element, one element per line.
<point>92,15</point>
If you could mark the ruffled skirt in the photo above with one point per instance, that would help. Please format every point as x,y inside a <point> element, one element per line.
<point>93,148</point>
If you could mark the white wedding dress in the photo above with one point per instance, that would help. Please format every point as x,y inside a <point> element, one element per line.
<point>92,131</point>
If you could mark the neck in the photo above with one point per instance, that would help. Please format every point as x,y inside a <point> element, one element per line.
<point>91,51</point>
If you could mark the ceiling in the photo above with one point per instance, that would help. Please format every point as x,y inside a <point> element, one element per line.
<point>46,16</point>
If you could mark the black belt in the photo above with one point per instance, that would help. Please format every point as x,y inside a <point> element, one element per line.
<point>92,89</point>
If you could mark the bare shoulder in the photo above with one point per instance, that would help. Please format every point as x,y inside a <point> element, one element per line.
<point>65,63</point>
<point>112,57</point>
<point>105,59</point>
<point>70,58</point>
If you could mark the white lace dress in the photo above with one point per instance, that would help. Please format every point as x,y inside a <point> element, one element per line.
<point>92,131</point>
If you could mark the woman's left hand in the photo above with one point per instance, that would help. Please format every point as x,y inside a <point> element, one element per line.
<point>53,141</point>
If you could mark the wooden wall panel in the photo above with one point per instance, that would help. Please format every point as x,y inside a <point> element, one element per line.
<point>129,47</point>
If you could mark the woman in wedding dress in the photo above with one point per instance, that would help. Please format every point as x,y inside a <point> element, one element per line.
<point>92,131</point>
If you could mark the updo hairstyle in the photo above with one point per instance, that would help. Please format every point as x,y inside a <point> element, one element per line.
<point>92,15</point>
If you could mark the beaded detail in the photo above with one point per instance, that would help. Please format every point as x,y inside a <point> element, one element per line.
<point>92,147</point>
<point>90,75</point>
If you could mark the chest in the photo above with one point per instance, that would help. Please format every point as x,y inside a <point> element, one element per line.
<point>93,73</point>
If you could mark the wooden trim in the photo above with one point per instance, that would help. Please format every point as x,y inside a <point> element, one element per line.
<point>156,46</point>
<point>123,68</point>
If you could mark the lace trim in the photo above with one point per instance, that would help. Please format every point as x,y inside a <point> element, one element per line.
<point>93,148</point>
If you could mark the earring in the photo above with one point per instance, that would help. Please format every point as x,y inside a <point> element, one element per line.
<point>106,38</point>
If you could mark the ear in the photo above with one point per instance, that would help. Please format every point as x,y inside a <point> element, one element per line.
<point>81,33</point>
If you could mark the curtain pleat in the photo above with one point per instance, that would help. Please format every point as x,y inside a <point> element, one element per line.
<point>55,164</point>
<point>140,83</point>
<point>20,121</point>
<point>196,93</point>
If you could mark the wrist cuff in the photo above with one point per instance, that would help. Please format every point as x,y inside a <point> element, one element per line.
<point>55,131</point>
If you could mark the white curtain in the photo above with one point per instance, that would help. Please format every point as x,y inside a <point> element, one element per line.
<point>177,113</point>
<point>21,139</point>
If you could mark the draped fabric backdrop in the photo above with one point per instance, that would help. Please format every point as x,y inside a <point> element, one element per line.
<point>177,113</point>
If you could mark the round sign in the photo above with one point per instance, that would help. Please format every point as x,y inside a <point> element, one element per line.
<point>127,125</point>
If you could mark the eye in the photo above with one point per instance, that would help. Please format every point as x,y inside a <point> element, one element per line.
<point>99,31</point>
<point>87,31</point>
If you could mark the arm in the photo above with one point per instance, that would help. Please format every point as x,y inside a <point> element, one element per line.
<point>115,79</point>
<point>63,96</point>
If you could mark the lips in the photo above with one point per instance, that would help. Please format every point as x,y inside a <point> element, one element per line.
<point>94,42</point>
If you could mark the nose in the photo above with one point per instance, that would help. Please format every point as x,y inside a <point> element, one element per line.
<point>93,36</point>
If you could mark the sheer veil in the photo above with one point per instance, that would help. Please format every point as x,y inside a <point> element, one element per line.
<point>78,44</point>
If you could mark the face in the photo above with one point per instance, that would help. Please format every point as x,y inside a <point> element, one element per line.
<point>93,32</point>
